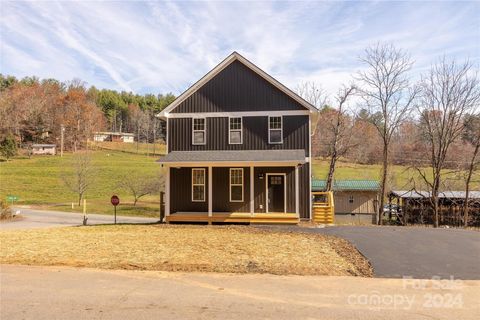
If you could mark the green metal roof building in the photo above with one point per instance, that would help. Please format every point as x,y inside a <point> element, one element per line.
<point>347,185</point>
<point>356,201</point>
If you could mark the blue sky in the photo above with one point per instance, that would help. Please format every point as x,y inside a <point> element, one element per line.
<point>159,47</point>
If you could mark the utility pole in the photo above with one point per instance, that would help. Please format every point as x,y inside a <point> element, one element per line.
<point>62,130</point>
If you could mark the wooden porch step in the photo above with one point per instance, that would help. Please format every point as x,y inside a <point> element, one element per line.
<point>258,218</point>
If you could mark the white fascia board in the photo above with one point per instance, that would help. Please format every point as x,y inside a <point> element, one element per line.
<point>222,65</point>
<point>238,114</point>
<point>233,164</point>
<point>212,73</point>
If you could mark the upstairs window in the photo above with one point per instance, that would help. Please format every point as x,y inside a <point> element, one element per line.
<point>236,185</point>
<point>275,130</point>
<point>235,130</point>
<point>198,185</point>
<point>198,131</point>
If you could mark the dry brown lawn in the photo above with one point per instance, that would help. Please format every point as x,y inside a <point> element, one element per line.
<point>184,248</point>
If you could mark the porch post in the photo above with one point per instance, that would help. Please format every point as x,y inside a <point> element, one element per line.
<point>167,192</point>
<point>210,205</point>
<point>252,194</point>
<point>297,202</point>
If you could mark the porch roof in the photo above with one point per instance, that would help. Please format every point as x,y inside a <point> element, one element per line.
<point>235,156</point>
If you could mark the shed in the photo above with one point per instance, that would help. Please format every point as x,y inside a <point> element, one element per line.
<point>356,201</point>
<point>44,149</point>
<point>416,207</point>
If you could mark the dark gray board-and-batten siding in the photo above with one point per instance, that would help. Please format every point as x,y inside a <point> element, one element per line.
<point>181,190</point>
<point>237,89</point>
<point>255,134</point>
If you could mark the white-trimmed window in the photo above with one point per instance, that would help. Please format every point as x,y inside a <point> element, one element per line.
<point>275,129</point>
<point>235,134</point>
<point>198,184</point>
<point>236,184</point>
<point>198,131</point>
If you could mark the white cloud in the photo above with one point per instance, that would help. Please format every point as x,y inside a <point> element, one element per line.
<point>166,46</point>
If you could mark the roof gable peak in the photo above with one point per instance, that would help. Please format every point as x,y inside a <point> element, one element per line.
<point>235,56</point>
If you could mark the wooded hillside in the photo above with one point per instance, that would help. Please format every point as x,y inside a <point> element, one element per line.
<point>34,110</point>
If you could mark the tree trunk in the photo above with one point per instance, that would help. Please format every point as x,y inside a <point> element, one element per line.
<point>135,201</point>
<point>383,184</point>
<point>80,196</point>
<point>331,172</point>
<point>434,195</point>
<point>154,135</point>
<point>467,185</point>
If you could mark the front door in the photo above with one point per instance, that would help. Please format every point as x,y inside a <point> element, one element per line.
<point>276,193</point>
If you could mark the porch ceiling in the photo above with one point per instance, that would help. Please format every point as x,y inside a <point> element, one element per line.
<point>236,156</point>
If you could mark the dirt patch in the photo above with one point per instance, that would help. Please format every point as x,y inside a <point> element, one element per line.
<point>233,249</point>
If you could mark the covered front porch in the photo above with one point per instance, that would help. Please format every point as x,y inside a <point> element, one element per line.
<point>233,190</point>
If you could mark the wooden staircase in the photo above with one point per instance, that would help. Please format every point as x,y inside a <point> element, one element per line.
<point>323,207</point>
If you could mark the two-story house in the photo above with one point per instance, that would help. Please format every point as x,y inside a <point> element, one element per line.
<point>238,149</point>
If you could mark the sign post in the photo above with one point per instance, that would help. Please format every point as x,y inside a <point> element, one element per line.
<point>12,198</point>
<point>115,201</point>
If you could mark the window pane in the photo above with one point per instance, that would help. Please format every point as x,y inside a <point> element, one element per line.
<point>198,177</point>
<point>275,123</point>
<point>198,124</point>
<point>236,193</point>
<point>199,137</point>
<point>235,137</point>
<point>198,193</point>
<point>275,135</point>
<point>235,123</point>
<point>236,176</point>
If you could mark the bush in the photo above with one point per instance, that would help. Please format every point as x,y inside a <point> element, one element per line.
<point>6,212</point>
<point>8,148</point>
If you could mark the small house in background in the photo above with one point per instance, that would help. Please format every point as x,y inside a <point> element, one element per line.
<point>114,136</point>
<point>50,149</point>
<point>356,201</point>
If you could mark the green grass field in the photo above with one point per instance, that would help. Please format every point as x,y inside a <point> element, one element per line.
<point>137,148</point>
<point>401,177</point>
<point>37,181</point>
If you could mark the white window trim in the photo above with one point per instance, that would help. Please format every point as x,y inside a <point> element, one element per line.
<point>204,131</point>
<point>241,130</point>
<point>230,184</point>
<point>199,184</point>
<point>281,130</point>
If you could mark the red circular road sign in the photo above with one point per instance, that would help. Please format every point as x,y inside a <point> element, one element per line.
<point>115,200</point>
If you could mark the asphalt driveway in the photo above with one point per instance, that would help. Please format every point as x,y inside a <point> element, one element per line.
<point>417,252</point>
<point>46,219</point>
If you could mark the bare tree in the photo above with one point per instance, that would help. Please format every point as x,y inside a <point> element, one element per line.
<point>340,129</point>
<point>312,93</point>
<point>139,185</point>
<point>316,96</point>
<point>472,136</point>
<point>449,92</point>
<point>83,175</point>
<point>385,89</point>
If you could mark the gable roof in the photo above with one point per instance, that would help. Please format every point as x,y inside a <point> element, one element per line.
<point>347,185</point>
<point>235,56</point>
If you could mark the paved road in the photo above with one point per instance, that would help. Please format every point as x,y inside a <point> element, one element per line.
<point>43,219</point>
<point>395,252</point>
<point>69,293</point>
